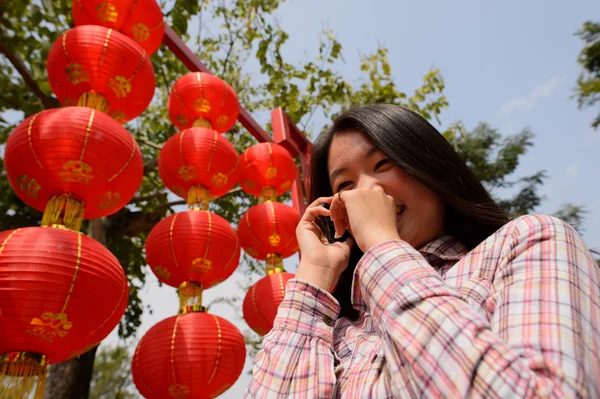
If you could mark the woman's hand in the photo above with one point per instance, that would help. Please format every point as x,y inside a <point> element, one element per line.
<point>369,214</point>
<point>321,263</point>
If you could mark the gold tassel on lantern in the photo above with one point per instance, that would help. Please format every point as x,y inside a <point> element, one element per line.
<point>94,100</point>
<point>198,197</point>
<point>190,297</point>
<point>22,374</point>
<point>274,264</point>
<point>267,194</point>
<point>201,122</point>
<point>63,210</point>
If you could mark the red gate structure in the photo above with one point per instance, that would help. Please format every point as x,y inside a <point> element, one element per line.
<point>285,132</point>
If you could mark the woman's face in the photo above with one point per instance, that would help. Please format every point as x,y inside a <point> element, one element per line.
<point>355,162</point>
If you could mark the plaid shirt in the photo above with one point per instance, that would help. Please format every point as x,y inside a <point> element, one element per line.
<point>516,317</point>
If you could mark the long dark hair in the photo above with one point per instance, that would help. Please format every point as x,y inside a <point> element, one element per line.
<point>416,147</point>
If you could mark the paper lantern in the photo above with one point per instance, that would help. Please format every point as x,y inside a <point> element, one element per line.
<point>193,246</point>
<point>200,99</point>
<point>60,293</point>
<point>140,20</point>
<point>73,162</point>
<point>193,355</point>
<point>267,231</point>
<point>100,68</point>
<point>266,170</point>
<point>198,164</point>
<point>262,300</point>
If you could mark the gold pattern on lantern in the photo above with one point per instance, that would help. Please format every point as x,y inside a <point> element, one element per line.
<point>120,86</point>
<point>77,74</point>
<point>162,272</point>
<point>187,172</point>
<point>50,325</point>
<point>106,12</point>
<point>201,265</point>
<point>109,200</point>
<point>274,239</point>
<point>179,391</point>
<point>219,179</point>
<point>202,105</point>
<point>201,122</point>
<point>29,186</point>
<point>181,119</point>
<point>222,120</point>
<point>141,33</point>
<point>285,185</point>
<point>271,172</point>
<point>119,116</point>
<point>76,172</point>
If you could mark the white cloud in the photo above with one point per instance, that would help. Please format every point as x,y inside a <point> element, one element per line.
<point>572,170</point>
<point>526,103</point>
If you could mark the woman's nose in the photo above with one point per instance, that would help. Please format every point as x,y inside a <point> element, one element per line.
<point>368,182</point>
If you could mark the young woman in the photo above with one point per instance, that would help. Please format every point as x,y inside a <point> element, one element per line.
<point>436,293</point>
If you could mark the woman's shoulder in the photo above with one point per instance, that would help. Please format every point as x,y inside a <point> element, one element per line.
<point>538,223</point>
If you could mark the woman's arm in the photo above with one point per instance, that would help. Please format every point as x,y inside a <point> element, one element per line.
<point>297,358</point>
<point>542,339</point>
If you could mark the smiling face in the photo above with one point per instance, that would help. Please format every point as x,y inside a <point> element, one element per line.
<point>355,162</point>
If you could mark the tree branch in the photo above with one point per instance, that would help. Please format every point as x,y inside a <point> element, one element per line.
<point>150,165</point>
<point>19,65</point>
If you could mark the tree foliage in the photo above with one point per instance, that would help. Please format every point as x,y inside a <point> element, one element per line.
<point>588,83</point>
<point>241,42</point>
<point>112,374</point>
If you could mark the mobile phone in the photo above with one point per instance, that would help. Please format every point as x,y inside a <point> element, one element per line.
<point>325,224</point>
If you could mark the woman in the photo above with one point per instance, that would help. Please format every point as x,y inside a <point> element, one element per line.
<point>436,293</point>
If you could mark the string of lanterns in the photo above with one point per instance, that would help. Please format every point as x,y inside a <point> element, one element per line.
<point>62,292</point>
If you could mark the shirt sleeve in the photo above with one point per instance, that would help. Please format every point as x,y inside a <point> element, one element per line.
<point>297,358</point>
<point>542,337</point>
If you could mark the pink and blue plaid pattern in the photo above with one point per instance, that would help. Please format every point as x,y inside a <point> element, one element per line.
<point>516,317</point>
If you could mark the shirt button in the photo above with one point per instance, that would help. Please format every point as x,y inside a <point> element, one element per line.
<point>329,321</point>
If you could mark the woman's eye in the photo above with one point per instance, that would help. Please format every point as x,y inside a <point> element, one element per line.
<point>381,163</point>
<point>342,185</point>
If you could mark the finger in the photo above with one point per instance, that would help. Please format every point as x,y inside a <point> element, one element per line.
<point>320,201</point>
<point>311,214</point>
<point>340,225</point>
<point>337,208</point>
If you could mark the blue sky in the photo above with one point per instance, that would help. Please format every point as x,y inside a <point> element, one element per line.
<point>510,63</point>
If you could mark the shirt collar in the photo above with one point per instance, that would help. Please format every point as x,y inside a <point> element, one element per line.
<point>446,247</point>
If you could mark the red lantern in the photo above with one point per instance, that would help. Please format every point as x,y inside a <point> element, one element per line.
<point>73,162</point>
<point>200,99</point>
<point>196,246</point>
<point>263,299</point>
<point>198,164</point>
<point>266,170</point>
<point>103,69</point>
<point>268,231</point>
<point>141,20</point>
<point>61,292</point>
<point>194,355</point>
